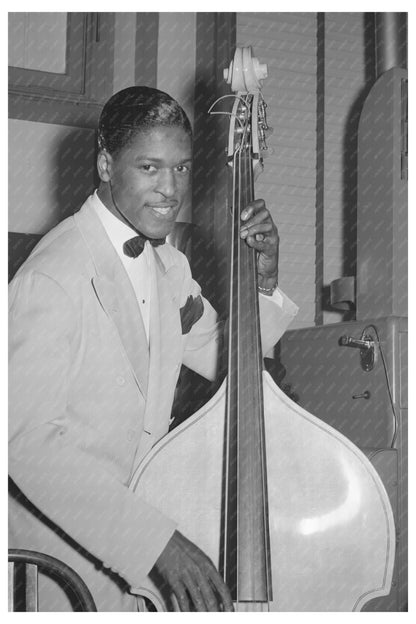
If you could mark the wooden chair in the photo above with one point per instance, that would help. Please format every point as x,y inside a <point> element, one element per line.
<point>24,566</point>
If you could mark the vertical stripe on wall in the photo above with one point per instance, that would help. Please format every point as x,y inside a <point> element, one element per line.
<point>320,166</point>
<point>124,50</point>
<point>176,68</point>
<point>215,44</point>
<point>147,36</point>
<point>176,58</point>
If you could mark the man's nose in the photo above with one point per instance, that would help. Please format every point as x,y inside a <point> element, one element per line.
<point>166,183</point>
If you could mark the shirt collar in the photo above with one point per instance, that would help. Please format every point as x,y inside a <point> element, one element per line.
<point>117,231</point>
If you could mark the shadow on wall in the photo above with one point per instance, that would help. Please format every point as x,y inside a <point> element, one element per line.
<point>350,144</point>
<point>75,172</point>
<point>51,172</point>
<point>62,181</point>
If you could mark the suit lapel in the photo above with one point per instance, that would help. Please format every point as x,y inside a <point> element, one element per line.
<point>165,341</point>
<point>125,314</point>
<point>115,293</point>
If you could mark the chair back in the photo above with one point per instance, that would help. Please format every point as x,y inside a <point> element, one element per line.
<point>24,566</point>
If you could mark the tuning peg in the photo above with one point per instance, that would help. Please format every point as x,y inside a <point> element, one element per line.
<point>260,69</point>
<point>228,72</point>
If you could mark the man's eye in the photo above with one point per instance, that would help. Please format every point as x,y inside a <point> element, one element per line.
<point>183,169</point>
<point>148,168</point>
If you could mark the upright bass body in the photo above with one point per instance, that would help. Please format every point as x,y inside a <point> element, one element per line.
<point>332,535</point>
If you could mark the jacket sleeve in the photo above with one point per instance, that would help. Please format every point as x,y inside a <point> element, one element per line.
<point>206,336</point>
<point>70,486</point>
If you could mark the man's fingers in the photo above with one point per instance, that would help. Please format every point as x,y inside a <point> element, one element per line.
<point>258,228</point>
<point>253,208</point>
<point>191,575</point>
<point>211,584</point>
<point>179,591</point>
<point>206,589</point>
<point>194,587</point>
<point>222,590</point>
<point>258,217</point>
<point>205,583</point>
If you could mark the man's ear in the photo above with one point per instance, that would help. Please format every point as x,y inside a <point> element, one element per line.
<point>104,162</point>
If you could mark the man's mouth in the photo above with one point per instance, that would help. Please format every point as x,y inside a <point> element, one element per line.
<point>162,209</point>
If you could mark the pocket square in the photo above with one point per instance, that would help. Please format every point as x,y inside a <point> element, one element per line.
<point>191,312</point>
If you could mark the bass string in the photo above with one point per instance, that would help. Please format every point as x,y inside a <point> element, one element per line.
<point>247,195</point>
<point>231,355</point>
<point>237,320</point>
<point>248,304</point>
<point>234,346</point>
<point>242,199</point>
<point>259,368</point>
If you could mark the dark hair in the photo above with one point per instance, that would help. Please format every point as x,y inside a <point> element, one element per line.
<point>136,109</point>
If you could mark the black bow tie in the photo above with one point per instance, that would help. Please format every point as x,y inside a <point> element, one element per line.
<point>134,246</point>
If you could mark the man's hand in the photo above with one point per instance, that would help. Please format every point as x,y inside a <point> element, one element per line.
<point>192,577</point>
<point>260,232</point>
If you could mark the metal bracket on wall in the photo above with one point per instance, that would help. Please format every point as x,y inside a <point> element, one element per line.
<point>366,345</point>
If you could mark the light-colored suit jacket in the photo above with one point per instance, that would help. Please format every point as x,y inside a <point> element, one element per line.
<point>88,400</point>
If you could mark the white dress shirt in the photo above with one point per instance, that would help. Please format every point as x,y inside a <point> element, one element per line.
<point>138,269</point>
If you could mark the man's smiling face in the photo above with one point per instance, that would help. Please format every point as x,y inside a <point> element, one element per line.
<point>149,179</point>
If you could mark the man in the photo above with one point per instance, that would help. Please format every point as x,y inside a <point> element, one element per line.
<point>102,315</point>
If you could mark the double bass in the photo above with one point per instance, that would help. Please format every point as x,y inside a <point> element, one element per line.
<point>290,511</point>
